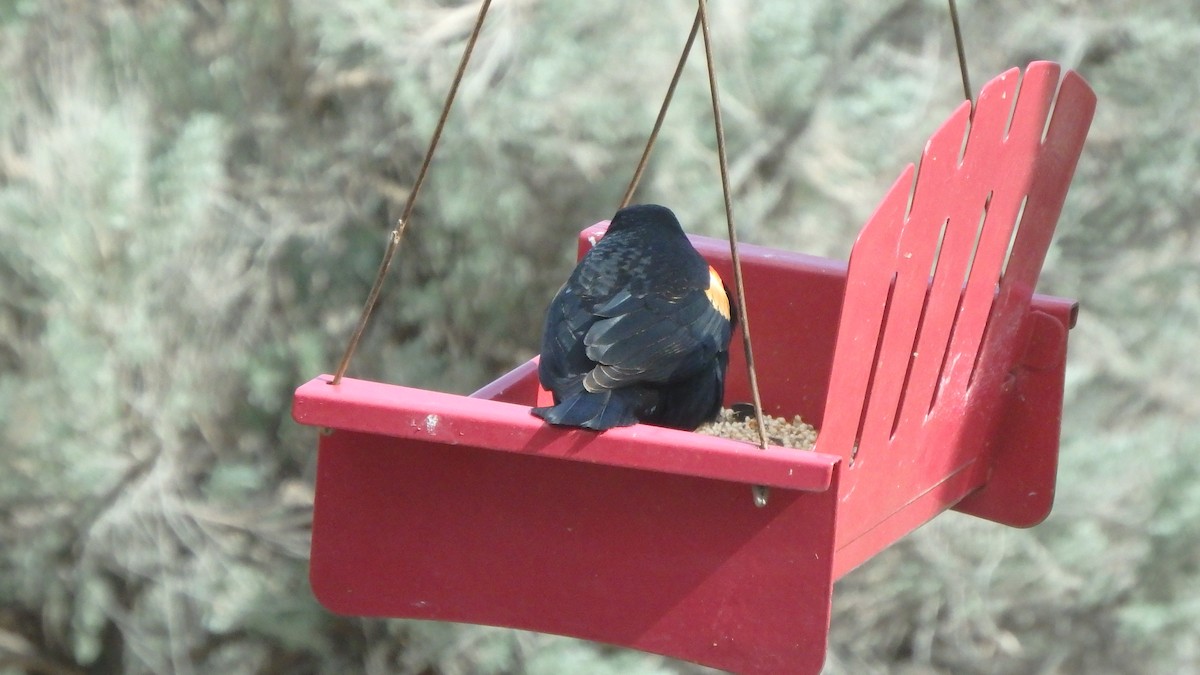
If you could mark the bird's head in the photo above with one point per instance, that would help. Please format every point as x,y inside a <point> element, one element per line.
<point>642,216</point>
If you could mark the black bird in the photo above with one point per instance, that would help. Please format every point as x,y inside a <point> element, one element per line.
<point>639,333</point>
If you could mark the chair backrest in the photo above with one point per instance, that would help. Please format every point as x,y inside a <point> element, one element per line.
<point>940,280</point>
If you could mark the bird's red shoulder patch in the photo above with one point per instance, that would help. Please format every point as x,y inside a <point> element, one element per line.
<point>716,293</point>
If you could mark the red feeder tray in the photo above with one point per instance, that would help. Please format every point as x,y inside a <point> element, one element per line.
<point>933,373</point>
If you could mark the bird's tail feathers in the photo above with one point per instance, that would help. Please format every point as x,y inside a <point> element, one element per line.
<point>590,410</point>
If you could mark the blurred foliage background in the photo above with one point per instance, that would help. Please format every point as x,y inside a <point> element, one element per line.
<point>194,197</point>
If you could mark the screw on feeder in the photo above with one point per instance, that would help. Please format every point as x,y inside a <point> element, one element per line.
<point>398,231</point>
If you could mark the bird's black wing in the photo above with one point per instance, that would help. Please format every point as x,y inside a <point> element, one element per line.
<point>564,360</point>
<point>654,339</point>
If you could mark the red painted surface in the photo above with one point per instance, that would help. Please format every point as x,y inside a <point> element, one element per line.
<point>931,296</point>
<point>949,385</point>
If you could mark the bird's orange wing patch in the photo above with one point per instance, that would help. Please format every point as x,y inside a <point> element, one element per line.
<point>716,293</point>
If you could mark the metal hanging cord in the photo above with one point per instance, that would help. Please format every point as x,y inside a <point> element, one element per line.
<point>759,492</point>
<point>701,22</point>
<point>726,191</point>
<point>662,113</point>
<point>402,223</point>
<point>962,52</point>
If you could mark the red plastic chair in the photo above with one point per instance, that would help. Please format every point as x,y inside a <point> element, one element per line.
<point>933,373</point>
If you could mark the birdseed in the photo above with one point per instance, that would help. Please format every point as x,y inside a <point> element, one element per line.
<point>741,427</point>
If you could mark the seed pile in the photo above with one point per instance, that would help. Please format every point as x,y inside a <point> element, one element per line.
<point>739,426</point>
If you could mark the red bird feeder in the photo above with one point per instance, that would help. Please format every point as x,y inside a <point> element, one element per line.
<point>931,370</point>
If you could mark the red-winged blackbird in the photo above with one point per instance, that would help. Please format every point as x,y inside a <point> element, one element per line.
<point>640,331</point>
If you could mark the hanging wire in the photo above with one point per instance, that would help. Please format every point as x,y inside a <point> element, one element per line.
<point>760,492</point>
<point>962,52</point>
<point>701,21</point>
<point>402,223</point>
<point>662,113</point>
